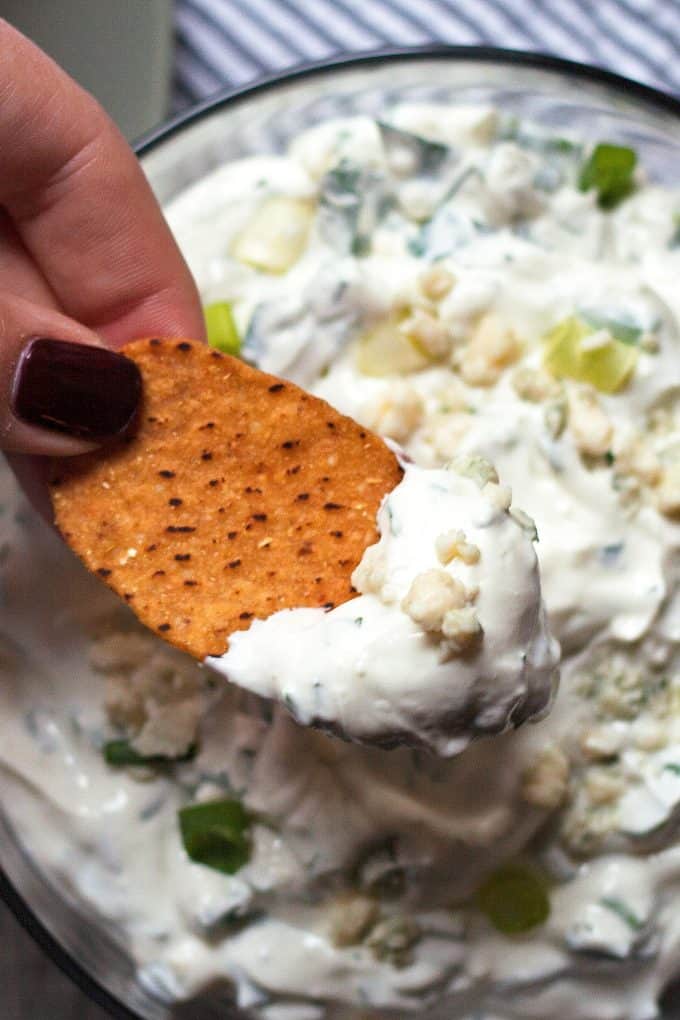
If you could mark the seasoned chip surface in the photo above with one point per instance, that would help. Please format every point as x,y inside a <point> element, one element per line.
<point>239,495</point>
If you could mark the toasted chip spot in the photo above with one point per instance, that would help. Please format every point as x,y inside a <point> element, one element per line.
<point>113,500</point>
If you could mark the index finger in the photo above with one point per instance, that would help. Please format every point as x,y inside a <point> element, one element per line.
<point>82,206</point>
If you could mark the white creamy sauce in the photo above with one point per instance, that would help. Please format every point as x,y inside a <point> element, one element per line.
<point>416,282</point>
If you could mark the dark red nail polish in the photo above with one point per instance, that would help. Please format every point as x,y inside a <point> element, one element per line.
<point>83,391</point>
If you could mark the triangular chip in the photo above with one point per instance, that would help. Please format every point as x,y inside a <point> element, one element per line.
<point>238,495</point>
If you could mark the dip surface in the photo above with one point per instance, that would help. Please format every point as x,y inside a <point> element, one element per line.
<point>443,278</point>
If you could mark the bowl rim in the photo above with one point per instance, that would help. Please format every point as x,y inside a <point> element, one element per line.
<point>662,101</point>
<point>228,96</point>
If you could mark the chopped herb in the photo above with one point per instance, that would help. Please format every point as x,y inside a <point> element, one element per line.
<point>121,752</point>
<point>216,834</point>
<point>609,458</point>
<point>610,554</point>
<point>341,182</point>
<point>514,899</point>
<point>395,527</point>
<point>353,200</point>
<point>609,170</point>
<point>563,145</point>
<point>416,245</point>
<point>222,331</point>
<point>622,909</point>
<point>672,767</point>
<point>427,156</point>
<point>675,236</point>
<point>449,228</point>
<point>621,328</point>
<point>361,245</point>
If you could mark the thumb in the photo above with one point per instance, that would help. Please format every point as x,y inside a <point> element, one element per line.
<point>61,391</point>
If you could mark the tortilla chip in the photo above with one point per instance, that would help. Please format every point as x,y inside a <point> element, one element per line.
<point>238,495</point>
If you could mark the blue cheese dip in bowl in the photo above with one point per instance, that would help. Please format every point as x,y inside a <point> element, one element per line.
<point>477,255</point>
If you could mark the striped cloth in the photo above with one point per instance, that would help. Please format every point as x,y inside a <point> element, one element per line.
<point>231,42</point>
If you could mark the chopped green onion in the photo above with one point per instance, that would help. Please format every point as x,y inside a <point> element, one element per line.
<point>121,752</point>
<point>515,899</point>
<point>427,156</point>
<point>558,144</point>
<point>675,237</point>
<point>222,331</point>
<point>609,170</point>
<point>625,331</point>
<point>622,909</point>
<point>216,834</point>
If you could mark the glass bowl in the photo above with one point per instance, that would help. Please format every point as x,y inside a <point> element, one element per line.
<point>263,118</point>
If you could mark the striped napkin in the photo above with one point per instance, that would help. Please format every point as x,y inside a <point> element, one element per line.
<point>231,42</point>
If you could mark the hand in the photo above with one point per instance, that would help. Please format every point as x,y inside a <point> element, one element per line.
<point>86,262</point>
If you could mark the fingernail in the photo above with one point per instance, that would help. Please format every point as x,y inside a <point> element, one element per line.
<point>83,391</point>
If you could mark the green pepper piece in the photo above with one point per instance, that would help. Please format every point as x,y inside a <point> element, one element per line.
<point>515,899</point>
<point>121,752</point>
<point>609,170</point>
<point>216,834</point>
<point>222,331</point>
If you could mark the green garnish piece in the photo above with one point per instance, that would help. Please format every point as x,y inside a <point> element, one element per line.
<point>514,899</point>
<point>222,331</point>
<point>607,367</point>
<point>622,909</point>
<point>558,144</point>
<point>121,752</point>
<point>623,330</point>
<point>216,834</point>
<point>427,156</point>
<point>609,170</point>
<point>675,238</point>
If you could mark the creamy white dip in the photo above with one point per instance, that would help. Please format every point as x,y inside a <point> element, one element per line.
<point>436,292</point>
<point>446,641</point>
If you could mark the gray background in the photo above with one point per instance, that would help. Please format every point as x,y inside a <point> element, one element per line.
<point>32,987</point>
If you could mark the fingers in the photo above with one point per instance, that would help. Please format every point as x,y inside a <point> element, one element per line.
<point>18,273</point>
<point>82,207</point>
<point>61,391</point>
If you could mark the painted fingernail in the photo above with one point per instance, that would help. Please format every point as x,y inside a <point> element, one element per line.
<point>83,391</point>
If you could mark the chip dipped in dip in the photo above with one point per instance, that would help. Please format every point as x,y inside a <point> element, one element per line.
<point>447,640</point>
